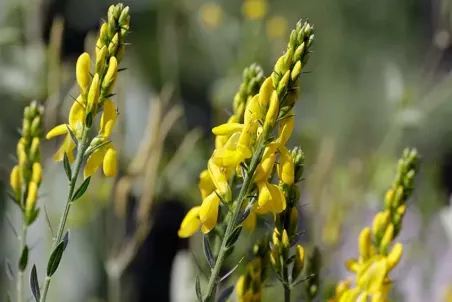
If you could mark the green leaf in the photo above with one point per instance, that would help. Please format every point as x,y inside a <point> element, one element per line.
<point>81,190</point>
<point>34,284</point>
<point>9,270</point>
<point>66,238</point>
<point>34,215</point>
<point>89,120</point>
<point>208,252</point>
<point>231,271</point>
<point>73,137</point>
<point>67,166</point>
<point>198,289</point>
<point>55,259</point>
<point>232,239</point>
<point>290,260</point>
<point>23,260</point>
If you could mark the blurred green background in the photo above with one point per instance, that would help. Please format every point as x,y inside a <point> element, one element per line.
<point>379,80</point>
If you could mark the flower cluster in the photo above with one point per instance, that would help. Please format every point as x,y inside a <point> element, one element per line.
<point>246,150</point>
<point>94,97</point>
<point>377,253</point>
<point>26,176</point>
<point>250,284</point>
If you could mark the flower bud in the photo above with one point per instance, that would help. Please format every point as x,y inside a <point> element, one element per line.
<point>111,75</point>
<point>299,262</point>
<point>14,181</point>
<point>272,113</point>
<point>265,92</point>
<point>31,196</point>
<point>93,94</point>
<point>395,255</point>
<point>296,71</point>
<point>113,46</point>
<point>283,84</point>
<point>100,60</point>
<point>387,238</point>
<point>36,174</point>
<point>34,148</point>
<point>365,243</point>
<point>82,69</point>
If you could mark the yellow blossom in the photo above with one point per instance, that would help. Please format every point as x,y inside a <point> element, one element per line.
<point>206,185</point>
<point>286,166</point>
<point>208,213</point>
<point>76,124</point>
<point>105,154</point>
<point>191,223</point>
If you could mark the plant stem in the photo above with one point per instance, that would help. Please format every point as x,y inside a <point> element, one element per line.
<point>20,278</point>
<point>286,293</point>
<point>232,222</point>
<point>82,146</point>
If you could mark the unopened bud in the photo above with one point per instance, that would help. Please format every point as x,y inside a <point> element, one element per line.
<point>111,75</point>
<point>93,94</point>
<point>82,69</point>
<point>299,262</point>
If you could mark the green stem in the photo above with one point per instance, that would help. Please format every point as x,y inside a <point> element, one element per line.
<point>286,293</point>
<point>214,276</point>
<point>20,278</point>
<point>82,146</point>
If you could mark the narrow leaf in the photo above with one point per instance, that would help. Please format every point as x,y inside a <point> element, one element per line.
<point>67,167</point>
<point>34,215</point>
<point>73,137</point>
<point>89,120</point>
<point>231,271</point>
<point>34,284</point>
<point>9,270</point>
<point>198,289</point>
<point>81,190</point>
<point>226,293</point>
<point>23,259</point>
<point>208,252</point>
<point>244,214</point>
<point>234,236</point>
<point>91,150</point>
<point>48,222</point>
<point>55,259</point>
<point>66,238</point>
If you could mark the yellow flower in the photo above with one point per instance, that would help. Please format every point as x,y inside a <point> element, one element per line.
<point>191,223</point>
<point>255,9</point>
<point>76,125</point>
<point>206,185</point>
<point>105,154</point>
<point>270,198</point>
<point>208,213</point>
<point>276,27</point>
<point>265,167</point>
<point>285,128</point>
<point>219,176</point>
<point>211,15</point>
<point>285,166</point>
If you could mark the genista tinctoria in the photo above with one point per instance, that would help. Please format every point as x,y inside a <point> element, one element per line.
<point>248,151</point>
<point>96,84</point>
<point>378,254</point>
<point>26,177</point>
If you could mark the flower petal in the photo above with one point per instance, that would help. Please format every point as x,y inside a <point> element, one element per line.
<point>208,213</point>
<point>67,146</point>
<point>110,162</point>
<point>77,118</point>
<point>57,131</point>
<point>94,161</point>
<point>190,223</point>
<point>108,118</point>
